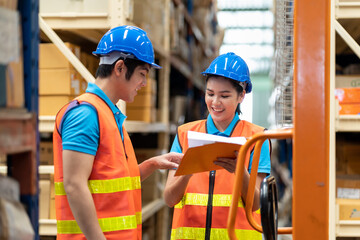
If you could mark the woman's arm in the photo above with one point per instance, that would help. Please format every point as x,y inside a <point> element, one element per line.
<point>230,165</point>
<point>175,188</point>
<point>259,178</point>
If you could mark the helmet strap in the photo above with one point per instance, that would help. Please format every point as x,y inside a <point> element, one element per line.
<point>114,56</point>
<point>243,85</point>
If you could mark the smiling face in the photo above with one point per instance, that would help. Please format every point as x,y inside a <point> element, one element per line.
<point>136,82</point>
<point>221,99</point>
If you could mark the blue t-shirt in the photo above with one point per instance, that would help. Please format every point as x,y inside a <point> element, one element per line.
<point>80,128</point>
<point>264,161</point>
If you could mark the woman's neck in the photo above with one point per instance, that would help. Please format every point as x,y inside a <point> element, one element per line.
<point>222,126</point>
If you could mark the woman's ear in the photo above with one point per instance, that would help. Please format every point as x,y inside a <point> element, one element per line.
<point>241,96</point>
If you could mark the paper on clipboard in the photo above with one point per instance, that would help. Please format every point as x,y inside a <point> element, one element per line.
<point>204,149</point>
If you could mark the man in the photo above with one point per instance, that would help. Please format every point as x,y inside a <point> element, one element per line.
<point>97,178</point>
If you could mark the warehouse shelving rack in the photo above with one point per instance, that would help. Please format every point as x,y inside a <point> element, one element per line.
<point>18,126</point>
<point>345,22</point>
<point>91,26</point>
<point>315,214</point>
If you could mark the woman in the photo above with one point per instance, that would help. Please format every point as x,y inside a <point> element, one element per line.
<point>201,201</point>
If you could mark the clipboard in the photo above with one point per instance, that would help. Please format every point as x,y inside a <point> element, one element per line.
<point>201,158</point>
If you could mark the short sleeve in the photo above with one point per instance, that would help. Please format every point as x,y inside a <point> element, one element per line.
<point>80,129</point>
<point>264,161</point>
<point>176,146</point>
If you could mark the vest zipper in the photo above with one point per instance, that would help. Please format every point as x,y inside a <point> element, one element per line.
<point>124,149</point>
<point>209,205</point>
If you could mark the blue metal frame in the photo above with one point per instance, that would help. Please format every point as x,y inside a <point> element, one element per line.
<point>29,12</point>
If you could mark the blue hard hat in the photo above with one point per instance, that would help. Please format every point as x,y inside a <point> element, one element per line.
<point>130,40</point>
<point>231,66</point>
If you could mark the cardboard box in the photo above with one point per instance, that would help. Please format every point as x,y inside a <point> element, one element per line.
<point>9,4</point>
<point>10,188</point>
<point>349,209</point>
<point>202,3</point>
<point>74,6</point>
<point>12,82</point>
<point>52,213</point>
<point>150,87</point>
<point>348,186</point>
<point>145,114</point>
<point>90,62</point>
<point>15,84</point>
<point>143,100</point>
<point>178,109</point>
<point>347,158</point>
<point>44,199</point>
<point>15,223</point>
<point>51,57</point>
<point>347,81</point>
<point>50,105</point>
<point>149,188</point>
<point>60,81</point>
<point>149,15</point>
<point>144,154</point>
<point>349,108</point>
<point>348,95</point>
<point>46,153</point>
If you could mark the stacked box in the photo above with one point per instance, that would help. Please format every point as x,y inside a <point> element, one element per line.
<point>347,157</point>
<point>9,4</point>
<point>150,187</point>
<point>348,94</point>
<point>12,74</point>
<point>143,108</point>
<point>349,209</point>
<point>59,82</point>
<point>178,109</point>
<point>46,153</point>
<point>149,15</point>
<point>64,6</point>
<point>202,3</point>
<point>348,186</point>
<point>44,198</point>
<point>204,16</point>
<point>47,197</point>
<point>90,62</point>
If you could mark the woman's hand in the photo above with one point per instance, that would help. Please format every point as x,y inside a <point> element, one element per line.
<point>229,164</point>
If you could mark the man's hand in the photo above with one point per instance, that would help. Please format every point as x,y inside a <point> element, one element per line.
<point>168,160</point>
<point>165,161</point>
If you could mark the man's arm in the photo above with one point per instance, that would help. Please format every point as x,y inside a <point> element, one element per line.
<point>77,167</point>
<point>165,161</point>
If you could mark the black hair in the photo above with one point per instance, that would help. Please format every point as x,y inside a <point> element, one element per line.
<point>239,89</point>
<point>105,70</point>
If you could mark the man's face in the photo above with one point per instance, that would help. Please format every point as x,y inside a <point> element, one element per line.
<point>136,81</point>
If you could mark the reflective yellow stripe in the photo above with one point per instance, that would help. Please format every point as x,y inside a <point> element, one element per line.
<point>215,234</point>
<point>106,186</point>
<point>138,218</point>
<point>219,200</point>
<point>106,224</point>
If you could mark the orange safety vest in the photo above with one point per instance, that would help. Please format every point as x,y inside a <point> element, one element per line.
<point>114,181</point>
<point>193,215</point>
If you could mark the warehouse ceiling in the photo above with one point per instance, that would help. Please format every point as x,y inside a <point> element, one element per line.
<point>249,32</point>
